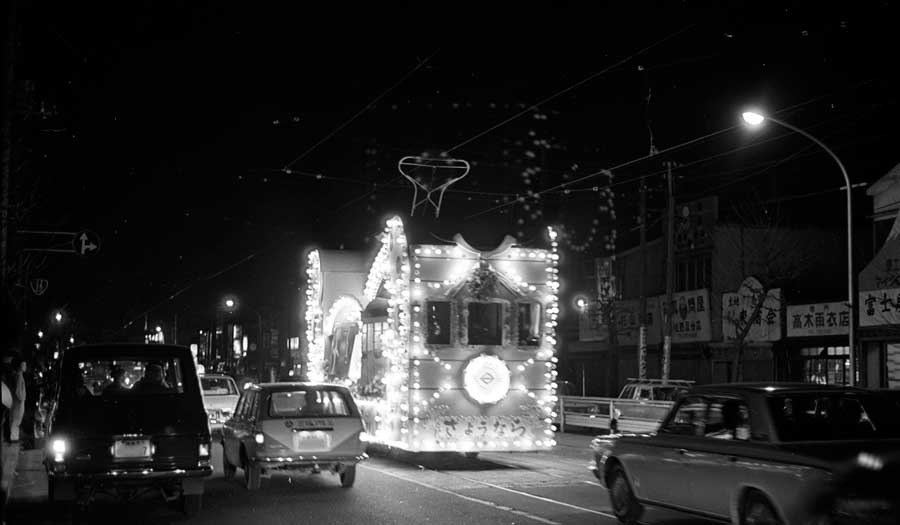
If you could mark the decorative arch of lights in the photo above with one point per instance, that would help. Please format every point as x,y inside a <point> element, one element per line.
<point>392,269</point>
<point>314,334</point>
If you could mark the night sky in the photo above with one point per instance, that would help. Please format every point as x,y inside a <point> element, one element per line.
<point>166,129</point>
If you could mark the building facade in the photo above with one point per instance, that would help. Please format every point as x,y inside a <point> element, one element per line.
<point>738,292</point>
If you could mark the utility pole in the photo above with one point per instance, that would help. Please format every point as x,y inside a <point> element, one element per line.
<point>642,331</point>
<point>175,334</point>
<point>9,60</point>
<point>670,274</point>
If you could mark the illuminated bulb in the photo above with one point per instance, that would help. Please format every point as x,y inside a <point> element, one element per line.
<point>522,368</point>
<point>447,366</point>
<point>436,395</point>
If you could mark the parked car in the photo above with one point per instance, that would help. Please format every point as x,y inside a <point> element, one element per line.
<point>220,397</point>
<point>753,453</point>
<point>654,389</point>
<point>294,426</point>
<point>127,418</point>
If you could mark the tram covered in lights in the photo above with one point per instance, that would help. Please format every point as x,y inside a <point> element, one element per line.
<point>445,347</point>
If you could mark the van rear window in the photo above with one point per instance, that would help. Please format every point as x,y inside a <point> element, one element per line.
<point>134,376</point>
<point>308,403</point>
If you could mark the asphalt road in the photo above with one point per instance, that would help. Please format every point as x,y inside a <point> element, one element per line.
<point>526,488</point>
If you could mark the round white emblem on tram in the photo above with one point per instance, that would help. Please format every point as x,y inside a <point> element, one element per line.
<point>486,379</point>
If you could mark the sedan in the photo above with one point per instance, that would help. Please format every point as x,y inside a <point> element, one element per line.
<point>309,427</point>
<point>753,453</point>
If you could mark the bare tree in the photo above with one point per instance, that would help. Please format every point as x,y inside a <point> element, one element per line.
<point>761,245</point>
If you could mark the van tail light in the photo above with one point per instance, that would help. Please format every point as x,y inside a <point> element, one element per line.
<point>58,447</point>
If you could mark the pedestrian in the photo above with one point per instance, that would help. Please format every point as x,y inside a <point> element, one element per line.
<point>18,406</point>
<point>9,384</point>
<point>7,403</point>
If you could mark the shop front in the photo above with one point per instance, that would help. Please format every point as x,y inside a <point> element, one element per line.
<point>816,349</point>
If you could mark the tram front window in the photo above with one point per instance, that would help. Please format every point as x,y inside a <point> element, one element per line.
<point>485,324</point>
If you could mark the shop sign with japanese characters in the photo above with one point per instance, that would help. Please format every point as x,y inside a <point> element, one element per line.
<point>690,321</point>
<point>818,319</point>
<point>879,307</point>
<point>738,309</point>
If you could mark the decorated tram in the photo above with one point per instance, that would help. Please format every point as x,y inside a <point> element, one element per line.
<point>447,348</point>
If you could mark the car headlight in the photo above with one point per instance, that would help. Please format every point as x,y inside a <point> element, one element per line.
<point>364,436</point>
<point>260,438</point>
<point>58,447</point>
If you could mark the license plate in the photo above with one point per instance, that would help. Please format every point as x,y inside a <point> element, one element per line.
<point>131,449</point>
<point>316,441</point>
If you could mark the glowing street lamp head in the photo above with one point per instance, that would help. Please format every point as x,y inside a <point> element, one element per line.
<point>40,334</point>
<point>229,303</point>
<point>158,329</point>
<point>58,316</point>
<point>754,118</point>
<point>581,303</point>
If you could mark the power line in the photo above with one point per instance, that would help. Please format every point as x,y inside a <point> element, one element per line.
<point>363,110</point>
<point>607,170</point>
<point>209,277</point>
<point>668,150</point>
<point>570,88</point>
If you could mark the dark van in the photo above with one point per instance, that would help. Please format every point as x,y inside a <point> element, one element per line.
<point>128,418</point>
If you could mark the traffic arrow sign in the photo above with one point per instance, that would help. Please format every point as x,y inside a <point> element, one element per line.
<point>86,243</point>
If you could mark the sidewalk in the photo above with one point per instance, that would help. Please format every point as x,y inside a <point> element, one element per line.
<point>10,459</point>
<point>30,480</point>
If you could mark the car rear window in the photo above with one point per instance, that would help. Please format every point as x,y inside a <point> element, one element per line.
<point>308,403</point>
<point>827,417</point>
<point>133,376</point>
<point>218,386</point>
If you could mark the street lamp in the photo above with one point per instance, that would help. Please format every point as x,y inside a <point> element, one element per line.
<point>40,334</point>
<point>231,305</point>
<point>755,118</point>
<point>58,317</point>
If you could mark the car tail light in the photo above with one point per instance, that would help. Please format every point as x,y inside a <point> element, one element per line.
<point>58,446</point>
<point>203,450</point>
<point>260,438</point>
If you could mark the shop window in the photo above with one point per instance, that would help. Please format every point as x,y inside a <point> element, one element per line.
<point>529,324</point>
<point>693,273</point>
<point>485,323</point>
<point>826,365</point>
<point>438,319</point>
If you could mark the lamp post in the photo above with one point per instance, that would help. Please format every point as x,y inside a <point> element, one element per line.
<point>754,118</point>
<point>231,306</point>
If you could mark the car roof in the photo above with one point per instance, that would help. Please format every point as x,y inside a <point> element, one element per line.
<point>286,386</point>
<point>222,376</point>
<point>773,386</point>
<point>100,348</point>
<point>633,381</point>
